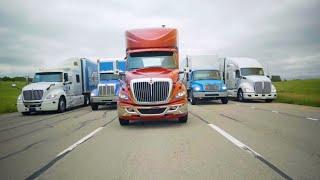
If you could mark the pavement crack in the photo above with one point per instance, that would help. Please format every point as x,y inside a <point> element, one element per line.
<point>234,119</point>
<point>22,150</point>
<point>27,133</point>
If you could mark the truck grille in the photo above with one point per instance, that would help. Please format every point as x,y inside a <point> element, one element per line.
<point>107,90</point>
<point>262,87</point>
<point>151,91</point>
<point>212,87</point>
<point>152,111</point>
<point>31,95</point>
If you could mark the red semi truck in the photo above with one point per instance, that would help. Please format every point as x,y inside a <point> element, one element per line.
<point>151,89</point>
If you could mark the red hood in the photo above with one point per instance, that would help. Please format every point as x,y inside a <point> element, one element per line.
<point>153,72</point>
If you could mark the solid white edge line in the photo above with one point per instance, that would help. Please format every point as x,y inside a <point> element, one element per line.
<point>70,148</point>
<point>313,119</point>
<point>234,140</point>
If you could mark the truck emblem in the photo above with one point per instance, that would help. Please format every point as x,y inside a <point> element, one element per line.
<point>151,81</point>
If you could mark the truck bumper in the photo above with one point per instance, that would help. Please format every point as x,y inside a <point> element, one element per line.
<point>210,95</point>
<point>101,100</point>
<point>46,105</point>
<point>259,96</point>
<point>160,112</point>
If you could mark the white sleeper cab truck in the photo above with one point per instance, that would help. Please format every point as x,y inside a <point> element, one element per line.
<point>246,80</point>
<point>59,88</point>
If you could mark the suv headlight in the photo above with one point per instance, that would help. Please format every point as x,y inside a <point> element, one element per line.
<point>51,96</point>
<point>181,94</point>
<point>273,89</point>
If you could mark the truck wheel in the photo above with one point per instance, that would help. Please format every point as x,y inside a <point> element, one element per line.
<point>224,100</point>
<point>86,100</point>
<point>183,119</point>
<point>123,122</point>
<point>25,113</point>
<point>94,107</point>
<point>193,100</point>
<point>240,96</point>
<point>62,105</point>
<point>269,100</point>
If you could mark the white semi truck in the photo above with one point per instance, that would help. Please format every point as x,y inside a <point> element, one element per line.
<point>246,80</point>
<point>58,89</point>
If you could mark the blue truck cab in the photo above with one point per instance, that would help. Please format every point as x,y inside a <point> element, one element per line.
<point>203,78</point>
<point>107,91</point>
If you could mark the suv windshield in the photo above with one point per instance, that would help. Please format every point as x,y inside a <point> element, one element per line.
<point>151,59</point>
<point>48,77</point>
<point>206,75</point>
<point>108,76</point>
<point>252,72</point>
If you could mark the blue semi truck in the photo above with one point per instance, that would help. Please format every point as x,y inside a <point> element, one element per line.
<point>109,74</point>
<point>203,79</point>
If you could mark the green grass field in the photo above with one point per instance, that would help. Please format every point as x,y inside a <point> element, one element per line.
<point>8,96</point>
<point>303,92</point>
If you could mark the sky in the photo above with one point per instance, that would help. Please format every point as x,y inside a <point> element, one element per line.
<point>284,35</point>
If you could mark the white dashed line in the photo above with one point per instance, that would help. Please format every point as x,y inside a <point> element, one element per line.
<point>70,148</point>
<point>252,107</point>
<point>313,119</point>
<point>275,111</point>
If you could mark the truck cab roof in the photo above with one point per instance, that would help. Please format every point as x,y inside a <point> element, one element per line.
<point>244,62</point>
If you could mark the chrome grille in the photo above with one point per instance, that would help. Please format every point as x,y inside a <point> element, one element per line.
<point>151,90</point>
<point>31,95</point>
<point>106,90</point>
<point>262,87</point>
<point>212,87</point>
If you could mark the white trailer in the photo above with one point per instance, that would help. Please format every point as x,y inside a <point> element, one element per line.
<point>246,80</point>
<point>58,89</point>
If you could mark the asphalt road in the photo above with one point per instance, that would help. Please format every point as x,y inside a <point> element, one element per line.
<point>233,141</point>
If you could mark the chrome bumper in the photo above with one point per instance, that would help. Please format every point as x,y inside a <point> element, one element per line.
<point>169,109</point>
<point>209,94</point>
<point>103,99</point>
<point>259,96</point>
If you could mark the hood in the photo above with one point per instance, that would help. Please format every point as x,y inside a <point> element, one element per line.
<point>153,72</point>
<point>38,86</point>
<point>258,78</point>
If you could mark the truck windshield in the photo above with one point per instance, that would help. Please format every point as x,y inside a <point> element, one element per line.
<point>108,76</point>
<point>206,75</point>
<point>48,77</point>
<point>252,72</point>
<point>151,59</point>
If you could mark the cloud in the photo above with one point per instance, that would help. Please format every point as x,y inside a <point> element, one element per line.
<point>37,33</point>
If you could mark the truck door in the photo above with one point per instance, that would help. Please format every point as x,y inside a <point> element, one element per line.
<point>238,79</point>
<point>66,84</point>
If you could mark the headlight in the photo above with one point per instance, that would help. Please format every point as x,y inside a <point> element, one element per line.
<point>123,95</point>
<point>92,94</point>
<point>224,87</point>
<point>273,89</point>
<point>196,88</point>
<point>19,97</point>
<point>51,96</point>
<point>248,89</point>
<point>181,94</point>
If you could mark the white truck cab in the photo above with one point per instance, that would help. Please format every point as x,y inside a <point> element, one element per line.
<point>57,89</point>
<point>246,80</point>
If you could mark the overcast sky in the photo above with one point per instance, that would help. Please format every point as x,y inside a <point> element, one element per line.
<point>284,35</point>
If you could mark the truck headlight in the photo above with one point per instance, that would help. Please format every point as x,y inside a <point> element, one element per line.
<point>51,96</point>
<point>196,88</point>
<point>248,89</point>
<point>19,97</point>
<point>273,89</point>
<point>181,94</point>
<point>123,95</point>
<point>92,94</point>
<point>224,87</point>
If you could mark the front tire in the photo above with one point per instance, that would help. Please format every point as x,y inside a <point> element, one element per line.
<point>86,100</point>
<point>183,119</point>
<point>193,100</point>
<point>224,100</point>
<point>62,105</point>
<point>123,122</point>
<point>240,95</point>
<point>94,107</point>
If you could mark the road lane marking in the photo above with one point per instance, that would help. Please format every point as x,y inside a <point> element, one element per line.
<point>73,146</point>
<point>244,147</point>
<point>313,119</point>
<point>252,107</point>
<point>275,111</point>
<point>62,154</point>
